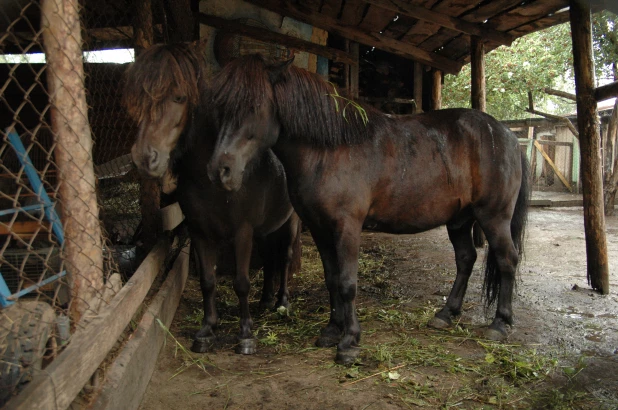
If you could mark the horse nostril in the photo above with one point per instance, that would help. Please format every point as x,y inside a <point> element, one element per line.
<point>224,172</point>
<point>153,159</point>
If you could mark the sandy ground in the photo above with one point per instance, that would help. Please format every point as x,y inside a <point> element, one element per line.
<point>563,347</point>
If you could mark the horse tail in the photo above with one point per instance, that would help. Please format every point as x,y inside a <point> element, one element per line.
<point>491,286</point>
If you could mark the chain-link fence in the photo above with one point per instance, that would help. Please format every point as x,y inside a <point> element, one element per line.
<point>69,208</point>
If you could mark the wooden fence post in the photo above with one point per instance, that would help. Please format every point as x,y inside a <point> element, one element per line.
<point>589,140</point>
<point>436,89</point>
<point>478,102</point>
<point>418,87</point>
<point>83,253</point>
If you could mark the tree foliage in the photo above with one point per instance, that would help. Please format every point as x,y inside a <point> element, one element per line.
<point>533,62</point>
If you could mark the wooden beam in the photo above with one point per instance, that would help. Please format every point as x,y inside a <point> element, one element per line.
<point>63,379</point>
<point>278,38</point>
<point>298,12</point>
<point>607,91</point>
<point>444,20</point>
<point>436,89</point>
<point>552,165</point>
<point>477,71</point>
<point>590,145</point>
<point>478,102</point>
<point>418,87</point>
<point>127,378</point>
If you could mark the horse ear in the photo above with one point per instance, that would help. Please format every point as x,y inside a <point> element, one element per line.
<point>276,70</point>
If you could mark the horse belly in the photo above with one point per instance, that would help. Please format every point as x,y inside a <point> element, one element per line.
<point>410,217</point>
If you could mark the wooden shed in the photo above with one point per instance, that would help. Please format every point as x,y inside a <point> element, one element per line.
<point>428,37</point>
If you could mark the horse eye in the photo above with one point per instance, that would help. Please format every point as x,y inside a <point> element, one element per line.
<point>250,136</point>
<point>180,99</point>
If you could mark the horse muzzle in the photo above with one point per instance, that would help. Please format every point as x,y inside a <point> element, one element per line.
<point>149,161</point>
<point>223,175</point>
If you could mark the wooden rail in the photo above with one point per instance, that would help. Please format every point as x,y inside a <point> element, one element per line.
<point>58,385</point>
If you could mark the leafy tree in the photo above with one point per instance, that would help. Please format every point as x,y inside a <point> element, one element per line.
<point>533,62</point>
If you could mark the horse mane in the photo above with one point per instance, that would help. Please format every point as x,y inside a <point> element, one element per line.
<point>240,87</point>
<point>157,73</point>
<point>312,110</point>
<point>309,109</point>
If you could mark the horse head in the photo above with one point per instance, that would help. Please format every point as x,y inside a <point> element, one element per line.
<point>162,88</point>
<point>246,116</point>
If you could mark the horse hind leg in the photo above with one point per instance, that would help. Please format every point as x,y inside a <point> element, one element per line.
<point>501,266</point>
<point>204,257</point>
<point>289,261</point>
<point>268,255</point>
<point>465,257</point>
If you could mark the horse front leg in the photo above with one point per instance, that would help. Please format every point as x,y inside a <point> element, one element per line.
<point>243,243</point>
<point>330,335</point>
<point>347,249</point>
<point>204,257</point>
<point>465,257</point>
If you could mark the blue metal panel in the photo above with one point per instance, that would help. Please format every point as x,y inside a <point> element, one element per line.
<point>36,184</point>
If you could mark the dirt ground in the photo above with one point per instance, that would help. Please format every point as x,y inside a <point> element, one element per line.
<point>562,352</point>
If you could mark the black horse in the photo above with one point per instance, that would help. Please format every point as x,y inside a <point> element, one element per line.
<point>167,94</point>
<point>351,167</point>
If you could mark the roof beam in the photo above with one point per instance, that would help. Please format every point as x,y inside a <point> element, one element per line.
<point>273,37</point>
<point>444,20</point>
<point>287,8</point>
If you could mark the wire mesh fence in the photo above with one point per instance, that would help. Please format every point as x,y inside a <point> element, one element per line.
<point>69,208</point>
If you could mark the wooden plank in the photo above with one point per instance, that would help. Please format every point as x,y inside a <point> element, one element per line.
<point>353,12</point>
<point>318,36</point>
<point>541,24</point>
<point>397,29</point>
<point>460,46</point>
<point>441,18</point>
<point>278,38</point>
<point>425,29</point>
<point>552,165</point>
<point>590,146</point>
<point>390,45</point>
<point>376,19</point>
<point>331,8</point>
<point>128,376</point>
<point>24,228</point>
<point>526,14</point>
<point>63,379</point>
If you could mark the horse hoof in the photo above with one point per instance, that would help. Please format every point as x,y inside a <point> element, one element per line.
<point>326,341</point>
<point>348,356</point>
<point>246,346</point>
<point>202,344</point>
<point>495,335</point>
<point>438,323</point>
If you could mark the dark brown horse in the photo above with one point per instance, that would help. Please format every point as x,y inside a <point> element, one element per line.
<point>352,167</point>
<point>166,92</point>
